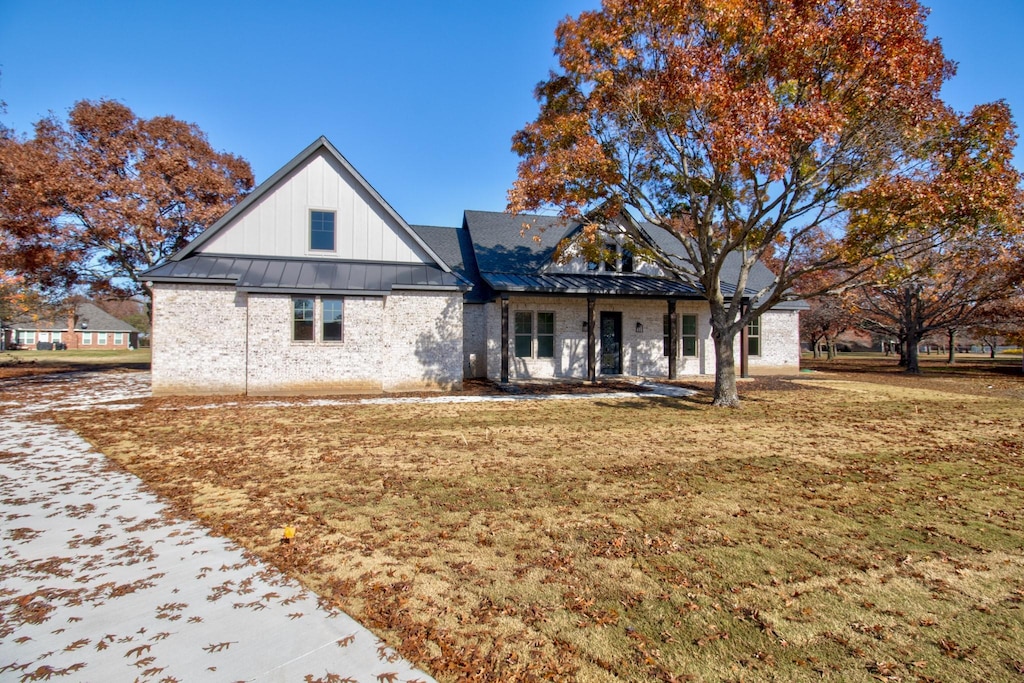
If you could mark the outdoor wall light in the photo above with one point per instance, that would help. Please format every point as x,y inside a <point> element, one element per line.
<point>584,325</point>
<point>639,327</point>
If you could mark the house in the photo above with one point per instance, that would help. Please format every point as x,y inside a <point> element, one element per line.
<point>314,284</point>
<point>311,284</point>
<point>87,327</point>
<point>531,315</point>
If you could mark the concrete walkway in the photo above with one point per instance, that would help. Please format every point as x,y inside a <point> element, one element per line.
<point>100,582</point>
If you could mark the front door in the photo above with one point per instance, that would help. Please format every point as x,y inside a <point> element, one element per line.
<point>611,343</point>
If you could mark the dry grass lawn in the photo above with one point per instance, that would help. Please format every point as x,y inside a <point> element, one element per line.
<point>839,526</point>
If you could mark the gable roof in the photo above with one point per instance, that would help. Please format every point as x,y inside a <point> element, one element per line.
<point>509,261</point>
<point>321,144</point>
<point>87,317</point>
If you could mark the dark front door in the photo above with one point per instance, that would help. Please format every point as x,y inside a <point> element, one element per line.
<point>611,343</point>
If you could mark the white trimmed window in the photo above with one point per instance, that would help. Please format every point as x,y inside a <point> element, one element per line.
<point>26,337</point>
<point>321,231</point>
<point>316,319</point>
<point>119,339</point>
<point>101,338</point>
<point>534,334</point>
<point>754,337</point>
<point>689,335</point>
<point>87,339</point>
<point>55,336</point>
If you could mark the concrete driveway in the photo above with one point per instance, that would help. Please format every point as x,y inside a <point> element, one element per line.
<point>99,580</point>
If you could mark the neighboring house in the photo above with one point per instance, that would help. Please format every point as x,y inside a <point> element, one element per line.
<point>314,284</point>
<point>88,327</point>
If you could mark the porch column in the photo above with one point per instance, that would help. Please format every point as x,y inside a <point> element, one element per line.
<point>673,341</point>
<point>504,338</point>
<point>744,347</point>
<point>591,340</point>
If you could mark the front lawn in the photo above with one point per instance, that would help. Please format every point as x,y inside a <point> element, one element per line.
<point>30,362</point>
<point>849,527</point>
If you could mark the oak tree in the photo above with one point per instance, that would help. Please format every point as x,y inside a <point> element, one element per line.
<point>96,200</point>
<point>741,127</point>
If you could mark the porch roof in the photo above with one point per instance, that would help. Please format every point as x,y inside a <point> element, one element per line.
<point>305,276</point>
<point>592,285</point>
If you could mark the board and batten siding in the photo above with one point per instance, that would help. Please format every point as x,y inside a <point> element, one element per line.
<point>278,224</point>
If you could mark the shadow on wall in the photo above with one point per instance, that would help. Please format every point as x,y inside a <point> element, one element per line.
<point>439,351</point>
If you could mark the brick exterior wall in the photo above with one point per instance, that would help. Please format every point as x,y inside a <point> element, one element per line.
<point>474,340</point>
<point>403,342</point>
<point>198,340</point>
<point>642,352</point>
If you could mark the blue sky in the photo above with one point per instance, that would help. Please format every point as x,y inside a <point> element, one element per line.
<point>422,97</point>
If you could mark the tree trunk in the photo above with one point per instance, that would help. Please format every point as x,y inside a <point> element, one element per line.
<point>831,349</point>
<point>951,359</point>
<point>911,323</point>
<point>992,351</point>
<point>726,395</point>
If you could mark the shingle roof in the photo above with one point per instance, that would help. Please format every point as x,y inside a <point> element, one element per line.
<point>510,261</point>
<point>305,275</point>
<point>87,316</point>
<point>456,248</point>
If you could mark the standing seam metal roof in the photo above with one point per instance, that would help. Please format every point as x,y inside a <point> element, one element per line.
<point>262,274</point>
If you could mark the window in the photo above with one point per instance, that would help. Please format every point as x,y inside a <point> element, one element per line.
<point>611,257</point>
<point>119,339</point>
<point>545,335</point>
<point>331,321</point>
<point>627,261</point>
<point>55,336</point>
<point>689,335</point>
<point>666,335</point>
<point>26,337</point>
<point>754,337</point>
<point>302,320</point>
<point>321,230</point>
<point>101,338</point>
<point>524,334</point>
<point>86,338</point>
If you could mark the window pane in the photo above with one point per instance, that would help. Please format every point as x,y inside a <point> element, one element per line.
<point>627,261</point>
<point>524,322</point>
<point>332,319</point>
<point>545,323</point>
<point>545,334</point>
<point>321,230</point>
<point>689,346</point>
<point>523,346</point>
<point>666,327</point>
<point>545,346</point>
<point>690,325</point>
<point>302,320</point>
<point>753,346</point>
<point>610,257</point>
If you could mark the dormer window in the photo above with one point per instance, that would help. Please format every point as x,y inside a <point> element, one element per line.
<point>321,231</point>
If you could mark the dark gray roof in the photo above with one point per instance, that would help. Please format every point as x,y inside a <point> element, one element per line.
<point>455,247</point>
<point>509,261</point>
<point>87,316</point>
<point>305,275</point>
<point>613,285</point>
<point>500,248</point>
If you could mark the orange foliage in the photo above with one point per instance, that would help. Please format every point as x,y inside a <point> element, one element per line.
<point>98,199</point>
